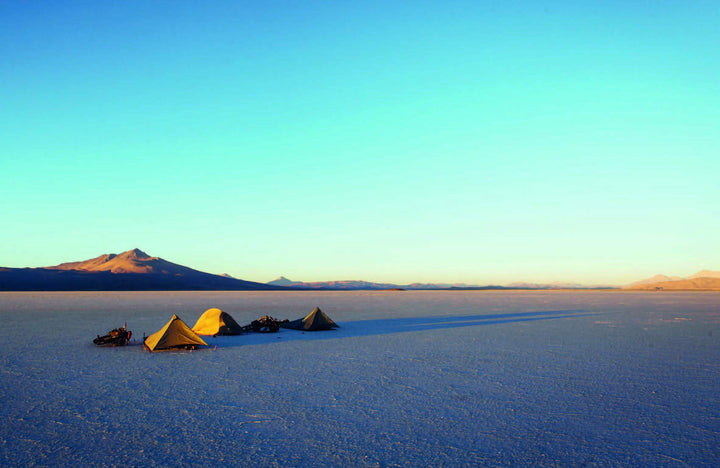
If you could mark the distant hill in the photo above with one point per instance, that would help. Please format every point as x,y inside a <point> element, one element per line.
<point>357,285</point>
<point>344,285</point>
<point>705,280</point>
<point>133,270</point>
<point>368,285</point>
<point>705,274</point>
<point>282,281</point>
<point>695,284</point>
<point>557,285</point>
<point>656,279</point>
<point>132,261</point>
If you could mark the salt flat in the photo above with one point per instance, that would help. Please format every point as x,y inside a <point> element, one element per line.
<point>476,378</point>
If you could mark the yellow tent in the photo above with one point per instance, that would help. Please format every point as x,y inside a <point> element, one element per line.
<point>174,335</point>
<point>216,322</point>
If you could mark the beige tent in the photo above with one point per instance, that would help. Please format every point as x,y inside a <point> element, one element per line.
<point>216,322</point>
<point>174,335</point>
<point>315,320</point>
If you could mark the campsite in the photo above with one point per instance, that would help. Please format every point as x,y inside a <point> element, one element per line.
<point>176,335</point>
<point>408,379</point>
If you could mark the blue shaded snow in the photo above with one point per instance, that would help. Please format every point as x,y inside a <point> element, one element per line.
<point>410,379</point>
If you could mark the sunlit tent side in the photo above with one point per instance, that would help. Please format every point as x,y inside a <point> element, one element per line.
<point>314,321</point>
<point>216,322</point>
<point>174,335</point>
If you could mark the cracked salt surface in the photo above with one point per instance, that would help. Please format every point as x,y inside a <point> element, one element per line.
<point>410,379</point>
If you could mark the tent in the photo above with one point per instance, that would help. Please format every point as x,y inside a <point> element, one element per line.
<point>216,322</point>
<point>174,335</point>
<point>314,321</point>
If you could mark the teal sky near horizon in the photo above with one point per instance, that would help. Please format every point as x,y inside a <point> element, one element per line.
<point>476,142</point>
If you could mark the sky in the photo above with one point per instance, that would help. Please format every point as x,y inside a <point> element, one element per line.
<point>475,142</point>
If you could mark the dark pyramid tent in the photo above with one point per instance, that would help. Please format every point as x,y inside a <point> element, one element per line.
<point>174,335</point>
<point>314,321</point>
<point>216,322</point>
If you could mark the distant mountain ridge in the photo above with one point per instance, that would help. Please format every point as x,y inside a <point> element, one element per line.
<point>132,261</point>
<point>133,270</point>
<point>707,280</point>
<point>656,279</point>
<point>705,274</point>
<point>368,285</point>
<point>349,284</point>
<point>556,285</point>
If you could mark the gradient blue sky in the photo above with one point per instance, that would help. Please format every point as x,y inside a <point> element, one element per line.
<point>478,142</point>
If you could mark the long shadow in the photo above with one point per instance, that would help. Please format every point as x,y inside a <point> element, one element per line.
<point>393,325</point>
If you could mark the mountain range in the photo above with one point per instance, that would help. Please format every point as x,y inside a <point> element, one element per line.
<point>133,270</point>
<point>702,280</point>
<point>367,285</point>
<point>705,280</point>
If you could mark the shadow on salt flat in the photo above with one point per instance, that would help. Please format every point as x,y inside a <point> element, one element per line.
<point>393,325</point>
